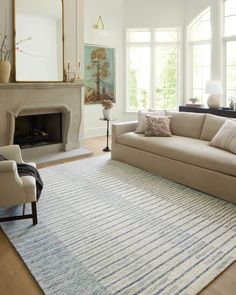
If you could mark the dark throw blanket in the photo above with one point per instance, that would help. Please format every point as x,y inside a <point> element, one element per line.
<point>28,170</point>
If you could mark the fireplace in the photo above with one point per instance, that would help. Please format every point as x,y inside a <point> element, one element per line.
<point>59,107</point>
<point>38,130</point>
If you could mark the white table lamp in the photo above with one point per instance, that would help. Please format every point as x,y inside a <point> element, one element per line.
<point>215,91</point>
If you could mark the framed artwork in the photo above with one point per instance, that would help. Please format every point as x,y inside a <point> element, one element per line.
<point>99,74</point>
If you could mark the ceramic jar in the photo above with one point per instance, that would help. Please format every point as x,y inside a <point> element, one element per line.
<point>107,114</point>
<point>5,71</point>
<point>213,101</point>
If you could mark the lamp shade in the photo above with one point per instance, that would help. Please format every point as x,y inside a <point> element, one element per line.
<point>214,87</point>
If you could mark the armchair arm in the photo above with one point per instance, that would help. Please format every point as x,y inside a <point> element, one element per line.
<point>12,152</point>
<point>12,189</point>
<point>6,166</point>
<point>9,168</point>
<point>121,128</point>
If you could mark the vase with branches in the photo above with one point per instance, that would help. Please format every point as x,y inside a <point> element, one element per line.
<point>6,53</point>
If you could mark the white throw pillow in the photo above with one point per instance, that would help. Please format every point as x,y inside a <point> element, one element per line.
<point>142,120</point>
<point>156,110</point>
<point>225,138</point>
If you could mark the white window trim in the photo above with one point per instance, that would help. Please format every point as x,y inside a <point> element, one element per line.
<point>225,39</point>
<point>190,64</point>
<point>153,44</point>
<point>189,58</point>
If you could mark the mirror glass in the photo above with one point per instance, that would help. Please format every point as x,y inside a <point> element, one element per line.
<point>38,40</point>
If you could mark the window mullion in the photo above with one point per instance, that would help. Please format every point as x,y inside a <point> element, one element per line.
<point>152,72</point>
<point>228,40</point>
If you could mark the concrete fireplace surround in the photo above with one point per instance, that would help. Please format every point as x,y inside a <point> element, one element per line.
<point>22,99</point>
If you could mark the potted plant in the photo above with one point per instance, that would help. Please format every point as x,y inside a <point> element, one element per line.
<point>107,106</point>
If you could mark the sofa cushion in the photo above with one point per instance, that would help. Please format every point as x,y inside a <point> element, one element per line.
<point>211,126</point>
<point>158,126</point>
<point>186,124</point>
<point>225,138</point>
<point>188,150</point>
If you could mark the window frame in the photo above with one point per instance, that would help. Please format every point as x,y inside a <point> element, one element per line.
<point>153,45</point>
<point>190,45</point>
<point>225,39</point>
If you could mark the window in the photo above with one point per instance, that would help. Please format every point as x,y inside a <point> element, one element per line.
<point>152,68</point>
<point>199,40</point>
<point>139,77</point>
<point>230,18</point>
<point>230,47</point>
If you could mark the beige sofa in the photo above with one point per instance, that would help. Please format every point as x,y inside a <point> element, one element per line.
<point>186,157</point>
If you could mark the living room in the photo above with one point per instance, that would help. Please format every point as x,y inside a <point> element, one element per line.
<point>117,147</point>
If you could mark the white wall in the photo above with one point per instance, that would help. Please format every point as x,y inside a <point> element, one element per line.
<point>112,15</point>
<point>6,11</point>
<point>154,12</point>
<point>193,8</point>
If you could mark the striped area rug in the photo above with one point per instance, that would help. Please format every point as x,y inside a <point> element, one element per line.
<point>108,228</point>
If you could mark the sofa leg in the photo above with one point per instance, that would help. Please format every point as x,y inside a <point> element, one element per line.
<point>34,213</point>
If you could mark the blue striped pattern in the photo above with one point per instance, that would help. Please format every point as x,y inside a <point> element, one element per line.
<point>109,228</point>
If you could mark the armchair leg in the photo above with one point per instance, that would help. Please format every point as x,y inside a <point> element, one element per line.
<point>27,216</point>
<point>34,213</point>
<point>23,211</point>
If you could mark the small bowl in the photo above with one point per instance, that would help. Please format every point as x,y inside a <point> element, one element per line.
<point>193,100</point>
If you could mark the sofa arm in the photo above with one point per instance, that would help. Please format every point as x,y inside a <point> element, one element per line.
<point>11,152</point>
<point>121,128</point>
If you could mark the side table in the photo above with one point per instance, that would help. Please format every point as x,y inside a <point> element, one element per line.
<point>107,149</point>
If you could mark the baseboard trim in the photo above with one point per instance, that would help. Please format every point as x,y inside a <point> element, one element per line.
<point>95,132</point>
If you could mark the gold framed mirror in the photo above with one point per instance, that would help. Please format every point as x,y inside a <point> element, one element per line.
<point>38,40</point>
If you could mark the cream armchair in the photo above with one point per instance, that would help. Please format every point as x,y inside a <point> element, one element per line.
<point>13,188</point>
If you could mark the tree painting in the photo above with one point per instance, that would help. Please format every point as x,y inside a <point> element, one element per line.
<point>99,74</point>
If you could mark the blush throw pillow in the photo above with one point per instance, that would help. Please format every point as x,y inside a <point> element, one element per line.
<point>142,120</point>
<point>158,126</point>
<point>225,138</point>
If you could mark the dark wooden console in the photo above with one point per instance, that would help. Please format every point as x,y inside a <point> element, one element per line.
<point>219,112</point>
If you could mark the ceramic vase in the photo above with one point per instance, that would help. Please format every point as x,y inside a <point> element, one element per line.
<point>5,71</point>
<point>231,105</point>
<point>107,114</point>
<point>213,101</point>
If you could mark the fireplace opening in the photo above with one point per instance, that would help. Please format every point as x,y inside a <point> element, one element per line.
<point>38,130</point>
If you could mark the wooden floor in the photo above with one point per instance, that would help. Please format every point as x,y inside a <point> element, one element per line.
<point>15,279</point>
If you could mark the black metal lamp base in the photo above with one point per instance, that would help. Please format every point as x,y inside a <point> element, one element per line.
<point>107,149</point>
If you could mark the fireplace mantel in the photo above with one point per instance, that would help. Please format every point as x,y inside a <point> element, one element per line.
<point>18,99</point>
<point>41,85</point>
